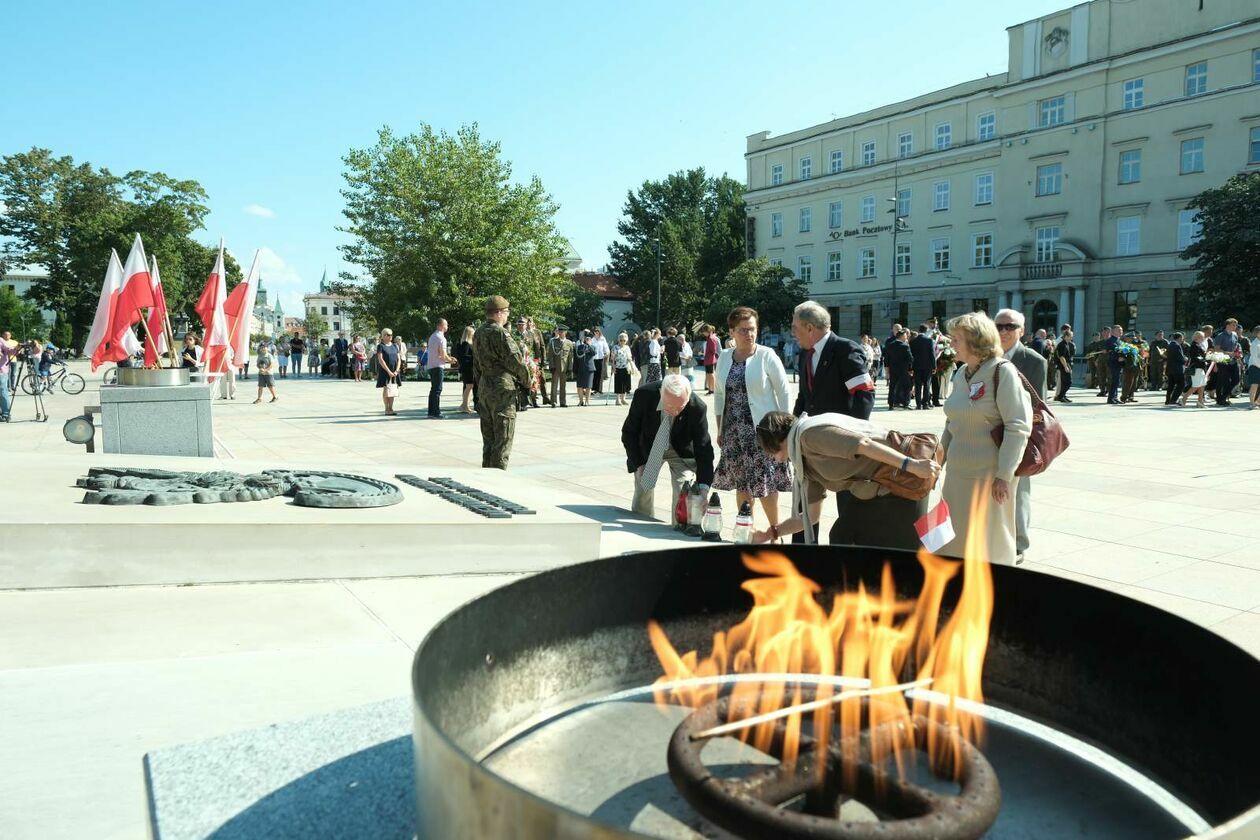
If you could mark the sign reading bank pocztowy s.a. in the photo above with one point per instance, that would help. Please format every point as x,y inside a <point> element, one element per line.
<point>862,231</point>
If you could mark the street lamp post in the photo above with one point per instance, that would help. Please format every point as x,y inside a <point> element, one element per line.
<point>899,223</point>
<point>658,283</point>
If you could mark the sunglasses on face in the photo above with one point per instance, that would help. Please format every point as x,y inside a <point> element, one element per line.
<point>1007,327</point>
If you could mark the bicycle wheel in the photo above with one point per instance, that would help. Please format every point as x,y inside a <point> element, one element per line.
<point>30,384</point>
<point>72,383</point>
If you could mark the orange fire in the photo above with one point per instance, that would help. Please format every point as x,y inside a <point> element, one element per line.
<point>874,639</point>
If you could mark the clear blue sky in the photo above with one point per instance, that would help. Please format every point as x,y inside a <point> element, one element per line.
<point>258,101</point>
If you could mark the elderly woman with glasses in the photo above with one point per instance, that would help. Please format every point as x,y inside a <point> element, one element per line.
<point>987,394</point>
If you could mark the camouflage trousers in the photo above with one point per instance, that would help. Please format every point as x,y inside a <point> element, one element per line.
<point>498,424</point>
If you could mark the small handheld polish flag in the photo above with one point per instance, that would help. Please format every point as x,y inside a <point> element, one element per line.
<point>935,528</point>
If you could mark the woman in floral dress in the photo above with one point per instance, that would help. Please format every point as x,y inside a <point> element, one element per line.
<point>751,382</point>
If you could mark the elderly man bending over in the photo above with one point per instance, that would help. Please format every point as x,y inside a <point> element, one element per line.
<point>667,424</point>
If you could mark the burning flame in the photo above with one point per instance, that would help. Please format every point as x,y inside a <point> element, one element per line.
<point>871,637</point>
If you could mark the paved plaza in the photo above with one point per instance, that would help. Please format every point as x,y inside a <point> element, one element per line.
<point>1153,503</point>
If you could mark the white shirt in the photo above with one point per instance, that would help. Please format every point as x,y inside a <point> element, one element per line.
<point>601,347</point>
<point>654,350</point>
<point>813,360</point>
<point>437,351</point>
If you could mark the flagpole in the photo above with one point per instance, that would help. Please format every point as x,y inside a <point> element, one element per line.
<point>170,339</point>
<point>148,336</point>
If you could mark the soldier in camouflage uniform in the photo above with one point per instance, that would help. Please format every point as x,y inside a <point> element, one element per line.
<point>500,372</point>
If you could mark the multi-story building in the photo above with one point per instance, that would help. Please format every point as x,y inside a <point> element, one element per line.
<point>19,279</point>
<point>332,308</point>
<point>1059,188</point>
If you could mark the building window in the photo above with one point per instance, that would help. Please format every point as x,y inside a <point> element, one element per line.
<point>1189,229</point>
<point>903,203</point>
<point>807,220</point>
<point>1196,79</point>
<point>938,312</point>
<point>903,258</point>
<point>776,224</point>
<point>980,305</point>
<point>1255,65</point>
<point>868,208</point>
<point>837,161</point>
<point>1134,94</point>
<point>1047,244</point>
<point>336,326</point>
<point>986,126</point>
<point>905,144</point>
<point>866,262</point>
<point>835,215</point>
<point>1131,166</point>
<point>984,188</point>
<point>940,196</point>
<point>323,310</point>
<point>805,268</point>
<point>336,310</point>
<point>940,255</point>
<point>834,263</point>
<point>1050,179</point>
<point>982,250</point>
<point>868,153</point>
<point>1128,236</point>
<point>1185,307</point>
<point>776,175</point>
<point>1051,111</point>
<point>1126,310</point>
<point>944,136</point>
<point>866,319</point>
<point>776,261</point>
<point>807,168</point>
<point>1192,155</point>
<point>1253,153</point>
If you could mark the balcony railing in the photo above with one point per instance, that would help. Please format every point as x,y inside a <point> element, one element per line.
<point>1041,271</point>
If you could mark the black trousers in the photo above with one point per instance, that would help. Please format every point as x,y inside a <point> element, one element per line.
<point>885,521</point>
<point>936,388</point>
<point>343,367</point>
<point>1226,379</point>
<point>922,387</point>
<point>1065,382</point>
<point>1176,384</point>
<point>598,385</point>
<point>435,391</point>
<point>903,383</point>
<point>1114,387</point>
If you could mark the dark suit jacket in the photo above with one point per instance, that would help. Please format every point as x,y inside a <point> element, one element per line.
<point>923,349</point>
<point>689,436</point>
<point>841,383</point>
<point>1176,358</point>
<point>1113,360</point>
<point>340,347</point>
<point>1064,353</point>
<point>898,357</point>
<point>1039,345</point>
<point>1033,365</point>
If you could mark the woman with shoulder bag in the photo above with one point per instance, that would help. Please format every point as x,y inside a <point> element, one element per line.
<point>854,459</point>
<point>988,393</point>
<point>388,370</point>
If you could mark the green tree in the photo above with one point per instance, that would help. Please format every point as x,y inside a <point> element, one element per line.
<point>770,289</point>
<point>438,226</point>
<point>66,216</point>
<point>699,222</point>
<point>20,316</point>
<point>315,325</point>
<point>585,308</point>
<point>1227,255</point>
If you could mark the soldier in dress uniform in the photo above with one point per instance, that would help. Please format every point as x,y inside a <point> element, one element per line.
<point>500,372</point>
<point>1102,373</point>
<point>560,363</point>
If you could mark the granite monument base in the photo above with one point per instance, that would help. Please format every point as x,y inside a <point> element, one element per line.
<point>172,420</point>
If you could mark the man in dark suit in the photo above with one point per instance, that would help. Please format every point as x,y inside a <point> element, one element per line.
<point>833,375</point>
<point>923,358</point>
<point>1064,352</point>
<point>1159,358</point>
<point>1032,365</point>
<point>899,362</point>
<point>1115,365</point>
<point>1175,368</point>
<point>684,445</point>
<point>341,352</point>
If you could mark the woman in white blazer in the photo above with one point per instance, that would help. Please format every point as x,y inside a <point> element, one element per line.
<point>751,382</point>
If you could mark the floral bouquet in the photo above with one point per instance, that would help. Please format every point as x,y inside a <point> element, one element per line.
<point>1216,357</point>
<point>947,354</point>
<point>1130,354</point>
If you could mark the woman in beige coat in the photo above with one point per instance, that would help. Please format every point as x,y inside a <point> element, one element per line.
<point>987,393</point>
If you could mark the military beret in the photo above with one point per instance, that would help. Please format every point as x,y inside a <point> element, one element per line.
<point>496,303</point>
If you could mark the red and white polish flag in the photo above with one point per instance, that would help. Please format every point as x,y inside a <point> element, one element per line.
<point>935,528</point>
<point>217,349</point>
<point>239,309</point>
<point>156,323</point>
<point>137,289</point>
<point>99,347</point>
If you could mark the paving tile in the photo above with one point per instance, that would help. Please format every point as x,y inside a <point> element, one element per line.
<point>1215,583</point>
<point>1118,563</point>
<point>1243,630</point>
<point>1197,543</point>
<point>1200,612</point>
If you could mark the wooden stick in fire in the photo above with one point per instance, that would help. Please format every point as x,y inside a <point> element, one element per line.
<point>813,705</point>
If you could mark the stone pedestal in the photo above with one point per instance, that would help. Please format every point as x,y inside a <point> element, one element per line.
<point>172,420</point>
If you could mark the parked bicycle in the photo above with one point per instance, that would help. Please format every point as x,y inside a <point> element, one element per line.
<point>71,383</point>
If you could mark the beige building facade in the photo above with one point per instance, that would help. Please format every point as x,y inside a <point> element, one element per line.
<point>1058,188</point>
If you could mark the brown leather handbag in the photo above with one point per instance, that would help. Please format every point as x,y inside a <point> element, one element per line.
<point>915,447</point>
<point>1047,439</point>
